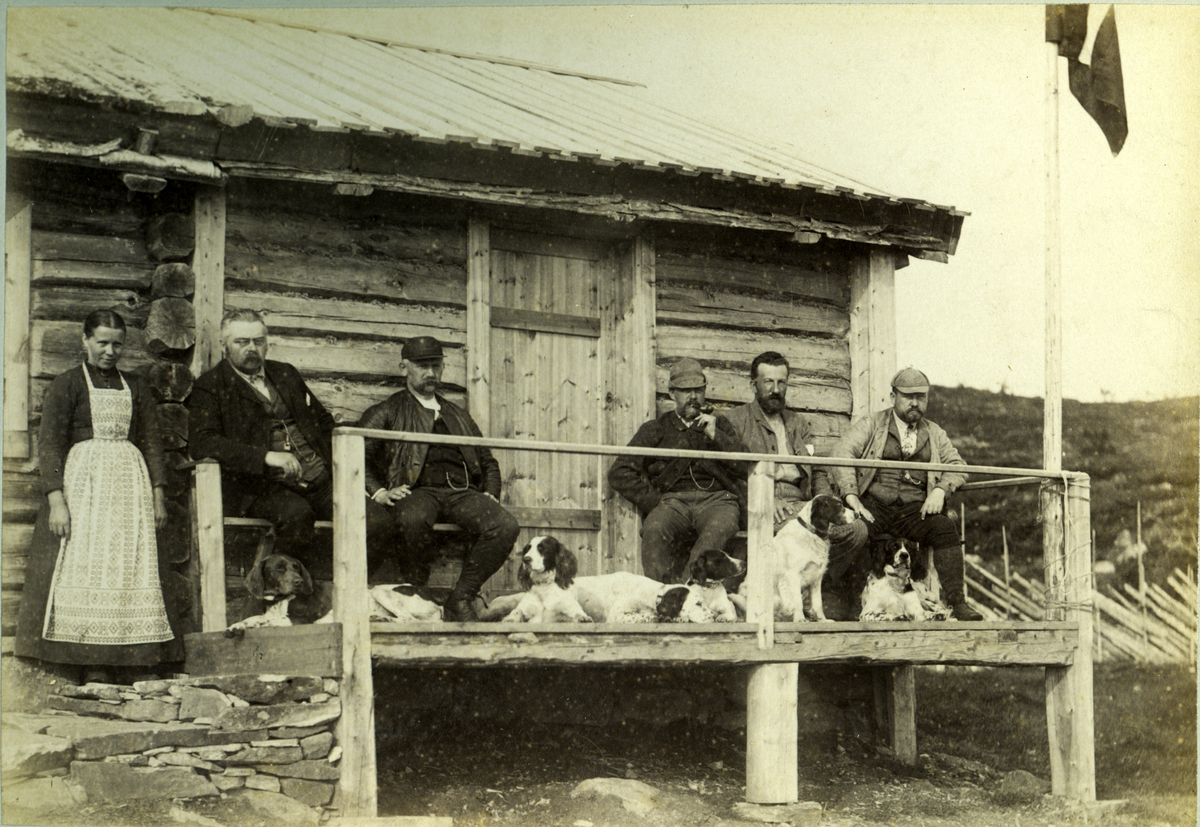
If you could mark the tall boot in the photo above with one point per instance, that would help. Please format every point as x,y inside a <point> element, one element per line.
<point>949,562</point>
<point>460,604</point>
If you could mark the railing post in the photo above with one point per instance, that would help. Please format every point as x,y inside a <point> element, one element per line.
<point>1069,695</point>
<point>772,772</point>
<point>209,516</point>
<point>357,784</point>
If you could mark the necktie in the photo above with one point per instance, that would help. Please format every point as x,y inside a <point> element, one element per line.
<point>908,442</point>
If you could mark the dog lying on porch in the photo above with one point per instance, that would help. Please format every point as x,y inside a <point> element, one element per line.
<point>900,588</point>
<point>282,591</point>
<point>547,573</point>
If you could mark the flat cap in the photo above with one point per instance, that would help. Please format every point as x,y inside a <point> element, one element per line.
<point>421,349</point>
<point>910,380</point>
<point>686,373</point>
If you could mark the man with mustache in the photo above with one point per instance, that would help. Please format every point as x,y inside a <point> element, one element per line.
<point>687,505</point>
<point>765,425</point>
<point>273,438</point>
<point>420,484</point>
<point>907,503</point>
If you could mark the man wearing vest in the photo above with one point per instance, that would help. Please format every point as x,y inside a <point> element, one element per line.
<point>766,425</point>
<point>273,438</point>
<point>907,503</point>
<point>421,484</point>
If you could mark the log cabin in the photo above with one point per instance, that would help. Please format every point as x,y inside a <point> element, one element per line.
<point>564,236</point>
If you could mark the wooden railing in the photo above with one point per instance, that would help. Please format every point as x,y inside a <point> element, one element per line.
<point>1063,644</point>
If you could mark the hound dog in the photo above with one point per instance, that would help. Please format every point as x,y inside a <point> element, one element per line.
<point>708,574</point>
<point>800,550</point>
<point>889,594</point>
<point>285,595</point>
<point>403,603</point>
<point>624,597</point>
<point>547,572</point>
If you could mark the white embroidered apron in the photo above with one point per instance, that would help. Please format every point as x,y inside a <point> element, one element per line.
<point>106,589</point>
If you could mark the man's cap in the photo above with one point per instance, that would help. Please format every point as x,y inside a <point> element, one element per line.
<point>421,349</point>
<point>910,380</point>
<point>686,373</point>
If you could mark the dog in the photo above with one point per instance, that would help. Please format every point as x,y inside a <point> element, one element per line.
<point>800,550</point>
<point>889,594</point>
<point>403,603</point>
<point>625,597</point>
<point>285,595</point>
<point>547,573</point>
<point>708,574</point>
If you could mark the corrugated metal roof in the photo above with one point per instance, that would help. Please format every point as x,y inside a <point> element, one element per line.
<point>164,57</point>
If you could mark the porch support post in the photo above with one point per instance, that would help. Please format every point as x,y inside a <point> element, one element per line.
<point>772,770</point>
<point>872,330</point>
<point>896,709</point>
<point>479,322</point>
<point>208,516</point>
<point>357,786</point>
<point>1069,695</point>
<point>208,266</point>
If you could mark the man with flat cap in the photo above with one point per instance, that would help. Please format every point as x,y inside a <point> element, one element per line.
<point>682,499</point>
<point>422,484</point>
<point>907,503</point>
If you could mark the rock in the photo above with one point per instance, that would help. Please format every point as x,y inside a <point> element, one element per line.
<point>42,794</point>
<point>225,783</point>
<point>118,782</point>
<point>277,742</point>
<point>317,746</point>
<point>195,702</point>
<point>268,783</point>
<point>280,715</point>
<point>96,691</point>
<point>27,753</point>
<point>636,797</point>
<point>95,738</point>
<point>335,755</point>
<point>182,759</point>
<point>265,755</point>
<point>801,813</point>
<point>277,805</point>
<point>1021,787</point>
<point>183,816</point>
<point>156,711</point>
<point>241,772</point>
<point>330,686</point>
<point>265,689</point>
<point>312,793</point>
<point>83,706</point>
<point>147,688</point>
<point>297,732</point>
<point>28,722</point>
<point>312,770</point>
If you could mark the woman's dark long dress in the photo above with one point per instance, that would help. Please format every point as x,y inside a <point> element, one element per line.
<point>67,422</point>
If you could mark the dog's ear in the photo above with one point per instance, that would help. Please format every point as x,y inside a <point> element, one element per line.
<point>254,580</point>
<point>670,603</point>
<point>306,586</point>
<point>917,570</point>
<point>524,576</point>
<point>698,571</point>
<point>565,566</point>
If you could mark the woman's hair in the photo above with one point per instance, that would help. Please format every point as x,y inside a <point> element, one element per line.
<point>102,318</point>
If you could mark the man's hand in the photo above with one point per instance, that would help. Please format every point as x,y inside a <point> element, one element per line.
<point>391,496</point>
<point>491,497</point>
<point>285,462</point>
<point>60,515</point>
<point>160,508</point>
<point>858,508</point>
<point>709,423</point>
<point>784,510</point>
<point>934,502</point>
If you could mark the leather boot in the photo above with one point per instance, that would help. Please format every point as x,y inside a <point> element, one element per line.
<point>460,606</point>
<point>949,564</point>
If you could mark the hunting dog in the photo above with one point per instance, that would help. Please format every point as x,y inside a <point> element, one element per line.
<point>547,572</point>
<point>708,574</point>
<point>403,603</point>
<point>624,597</point>
<point>889,594</point>
<point>284,595</point>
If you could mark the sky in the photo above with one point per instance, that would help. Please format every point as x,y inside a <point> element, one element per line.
<point>943,103</point>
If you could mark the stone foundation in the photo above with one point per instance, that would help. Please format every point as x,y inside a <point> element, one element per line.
<point>180,738</point>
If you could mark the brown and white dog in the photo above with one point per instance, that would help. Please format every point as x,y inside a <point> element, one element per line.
<point>625,597</point>
<point>800,550</point>
<point>889,594</point>
<point>403,603</point>
<point>285,595</point>
<point>547,572</point>
<point>708,574</point>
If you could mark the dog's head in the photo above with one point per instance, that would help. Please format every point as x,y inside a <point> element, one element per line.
<point>278,575</point>
<point>679,604</point>
<point>824,512</point>
<point>896,560</point>
<point>713,566</point>
<point>545,558</point>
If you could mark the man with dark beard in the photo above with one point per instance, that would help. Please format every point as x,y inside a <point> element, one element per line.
<point>907,503</point>
<point>682,499</point>
<point>765,425</point>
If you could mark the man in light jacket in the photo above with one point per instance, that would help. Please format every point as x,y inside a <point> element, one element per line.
<point>907,503</point>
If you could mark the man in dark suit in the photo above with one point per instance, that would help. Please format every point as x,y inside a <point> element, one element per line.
<point>273,438</point>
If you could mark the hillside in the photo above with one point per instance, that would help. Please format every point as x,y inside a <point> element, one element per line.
<point>1133,451</point>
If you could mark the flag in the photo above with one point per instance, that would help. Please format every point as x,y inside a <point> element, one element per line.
<point>1099,88</point>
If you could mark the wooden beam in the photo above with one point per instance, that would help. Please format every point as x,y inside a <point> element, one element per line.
<point>515,319</point>
<point>872,331</point>
<point>208,265</point>
<point>902,713</point>
<point>358,784</point>
<point>17,274</point>
<point>772,775</point>
<point>208,515</point>
<point>313,649</point>
<point>479,327</point>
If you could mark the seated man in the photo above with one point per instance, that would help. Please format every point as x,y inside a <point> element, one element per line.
<point>765,425</point>
<point>273,438</point>
<point>907,503</point>
<point>421,484</point>
<point>681,498</point>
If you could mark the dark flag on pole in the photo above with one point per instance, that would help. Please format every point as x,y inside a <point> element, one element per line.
<point>1099,87</point>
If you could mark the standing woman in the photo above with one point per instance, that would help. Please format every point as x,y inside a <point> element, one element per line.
<point>93,596</point>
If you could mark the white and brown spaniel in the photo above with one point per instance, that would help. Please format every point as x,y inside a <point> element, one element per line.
<point>625,597</point>
<point>547,572</point>
<point>889,594</point>
<point>403,603</point>
<point>708,574</point>
<point>283,593</point>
